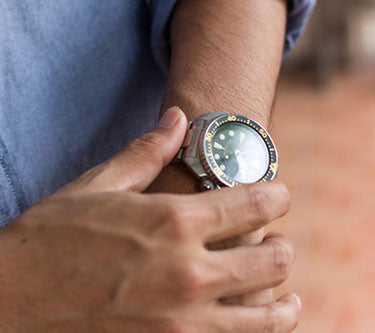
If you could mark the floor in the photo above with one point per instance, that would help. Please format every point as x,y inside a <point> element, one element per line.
<point>327,153</point>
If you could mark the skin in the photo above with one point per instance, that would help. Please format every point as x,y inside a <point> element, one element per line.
<point>226,56</point>
<point>101,256</point>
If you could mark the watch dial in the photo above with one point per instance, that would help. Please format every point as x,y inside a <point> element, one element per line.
<point>240,152</point>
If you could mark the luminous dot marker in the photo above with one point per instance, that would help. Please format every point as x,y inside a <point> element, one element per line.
<point>222,167</point>
<point>231,133</point>
<point>222,137</point>
<point>217,156</point>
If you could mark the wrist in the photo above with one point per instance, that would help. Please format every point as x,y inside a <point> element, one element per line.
<point>198,100</point>
<point>175,178</point>
<point>221,61</point>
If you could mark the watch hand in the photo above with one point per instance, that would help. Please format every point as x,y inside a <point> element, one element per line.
<point>246,152</point>
<point>241,163</point>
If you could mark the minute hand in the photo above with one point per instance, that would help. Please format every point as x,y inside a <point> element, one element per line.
<point>241,163</point>
<point>246,152</point>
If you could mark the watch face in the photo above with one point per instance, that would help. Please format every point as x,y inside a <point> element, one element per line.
<point>239,151</point>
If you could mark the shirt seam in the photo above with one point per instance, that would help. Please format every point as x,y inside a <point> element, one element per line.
<point>8,178</point>
<point>2,216</point>
<point>17,192</point>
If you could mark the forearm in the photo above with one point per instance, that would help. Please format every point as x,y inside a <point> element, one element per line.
<point>226,56</point>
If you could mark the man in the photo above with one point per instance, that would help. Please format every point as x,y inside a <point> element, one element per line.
<point>79,81</point>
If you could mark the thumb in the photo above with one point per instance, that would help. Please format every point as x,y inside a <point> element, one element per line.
<point>136,166</point>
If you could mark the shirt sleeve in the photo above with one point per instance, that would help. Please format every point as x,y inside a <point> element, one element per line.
<point>161,13</point>
<point>299,12</point>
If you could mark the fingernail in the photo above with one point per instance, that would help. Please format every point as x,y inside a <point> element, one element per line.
<point>170,118</point>
<point>298,300</point>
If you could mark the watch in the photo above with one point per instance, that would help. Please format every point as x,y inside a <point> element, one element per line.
<point>227,150</point>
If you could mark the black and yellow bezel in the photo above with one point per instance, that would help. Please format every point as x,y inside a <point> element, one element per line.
<point>210,162</point>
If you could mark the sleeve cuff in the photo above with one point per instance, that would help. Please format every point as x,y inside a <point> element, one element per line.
<point>161,13</point>
<point>299,12</point>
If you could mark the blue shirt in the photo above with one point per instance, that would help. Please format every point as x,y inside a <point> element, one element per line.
<point>78,81</point>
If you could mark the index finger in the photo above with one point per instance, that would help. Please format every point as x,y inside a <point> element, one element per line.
<point>234,211</point>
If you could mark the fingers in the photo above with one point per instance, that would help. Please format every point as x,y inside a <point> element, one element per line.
<point>280,316</point>
<point>134,168</point>
<point>231,212</point>
<point>144,158</point>
<point>252,268</point>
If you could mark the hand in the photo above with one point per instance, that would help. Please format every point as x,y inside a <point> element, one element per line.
<point>99,256</point>
<point>176,178</point>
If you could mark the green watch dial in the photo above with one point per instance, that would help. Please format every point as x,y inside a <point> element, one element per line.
<point>239,151</point>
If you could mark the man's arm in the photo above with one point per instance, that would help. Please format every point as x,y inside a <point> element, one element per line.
<point>226,56</point>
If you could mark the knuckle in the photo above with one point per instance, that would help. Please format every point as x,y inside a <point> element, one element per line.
<point>295,319</point>
<point>260,203</point>
<point>285,192</point>
<point>175,220</point>
<point>282,258</point>
<point>273,321</point>
<point>285,195</point>
<point>296,312</point>
<point>188,281</point>
<point>220,213</point>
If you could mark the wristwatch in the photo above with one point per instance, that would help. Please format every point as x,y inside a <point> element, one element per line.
<point>227,150</point>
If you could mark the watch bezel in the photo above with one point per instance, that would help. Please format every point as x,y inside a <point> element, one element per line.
<point>210,163</point>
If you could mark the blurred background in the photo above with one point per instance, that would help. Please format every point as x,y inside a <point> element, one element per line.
<point>325,116</point>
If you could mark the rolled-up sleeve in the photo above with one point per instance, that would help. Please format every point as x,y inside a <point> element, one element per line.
<point>161,13</point>
<point>299,12</point>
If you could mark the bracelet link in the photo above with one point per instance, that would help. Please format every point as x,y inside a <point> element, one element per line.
<point>187,141</point>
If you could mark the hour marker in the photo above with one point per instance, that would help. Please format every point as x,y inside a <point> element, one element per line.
<point>231,133</point>
<point>242,136</point>
<point>222,167</point>
<point>218,146</point>
<point>217,156</point>
<point>222,137</point>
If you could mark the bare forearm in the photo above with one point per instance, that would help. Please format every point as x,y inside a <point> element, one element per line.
<point>226,56</point>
